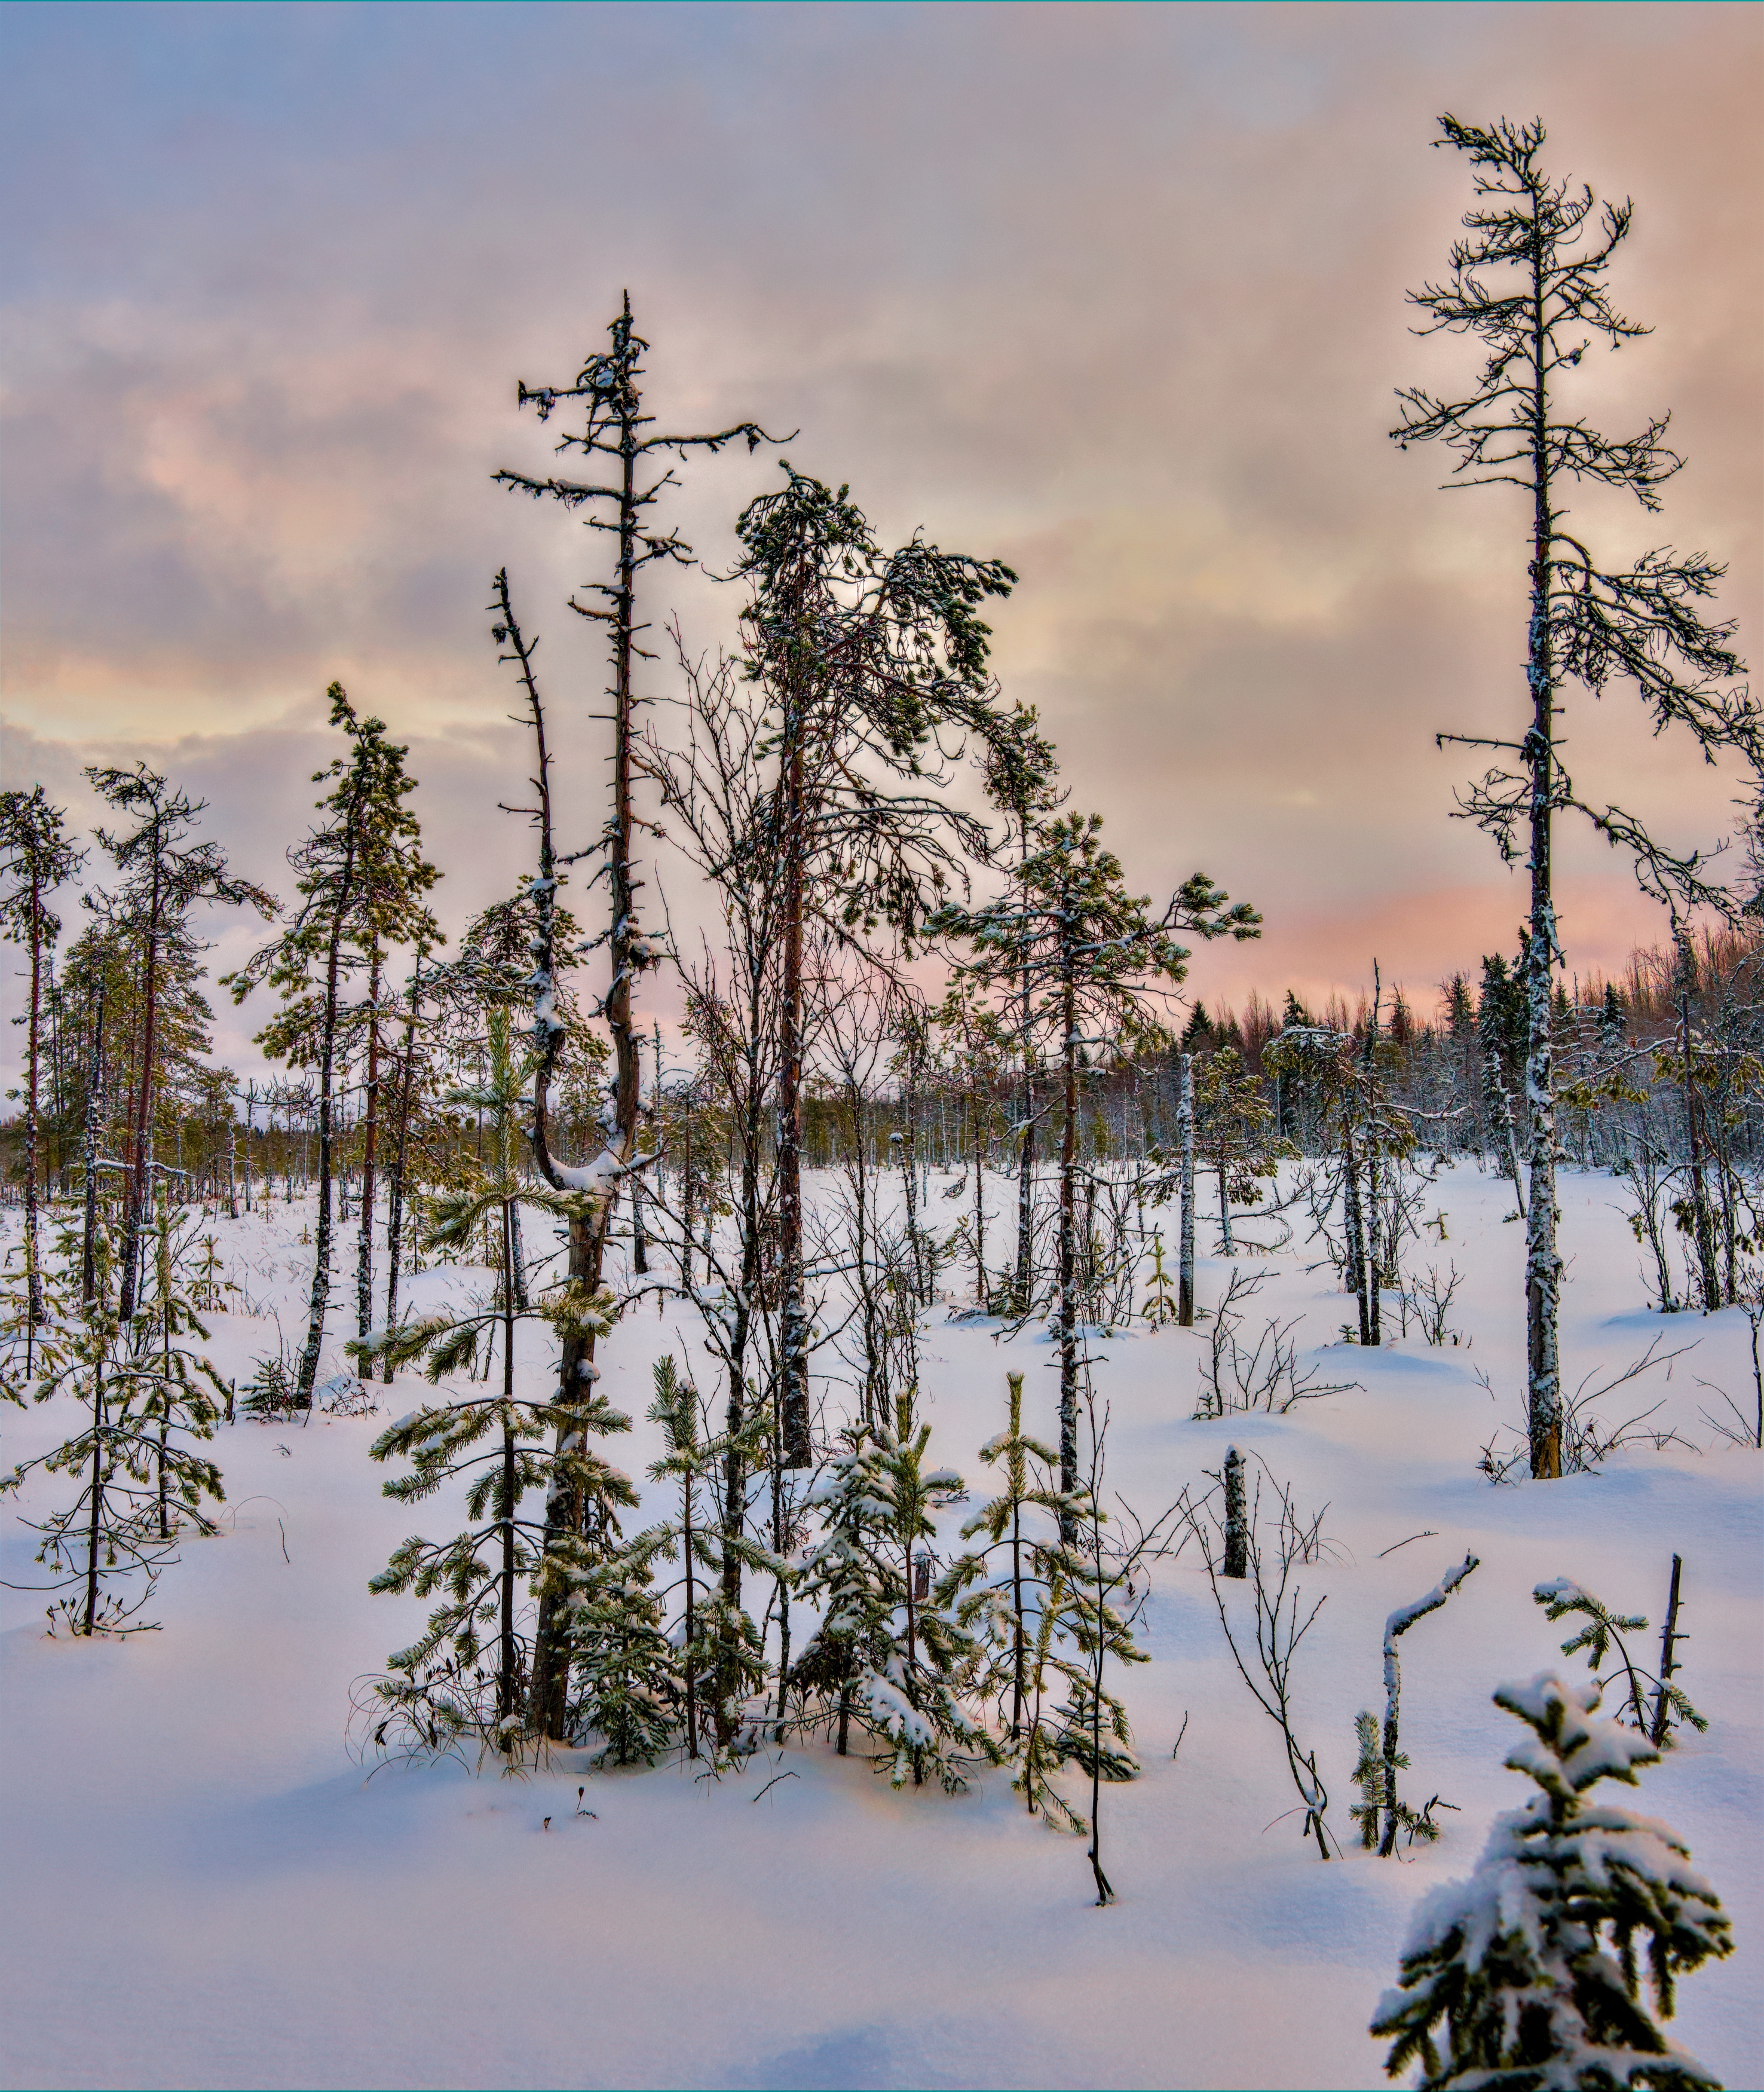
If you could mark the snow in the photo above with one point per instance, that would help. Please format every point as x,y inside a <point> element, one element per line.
<point>595,1176</point>
<point>207,1889</point>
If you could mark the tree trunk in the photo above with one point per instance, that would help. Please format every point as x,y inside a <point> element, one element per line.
<point>508,1679</point>
<point>1359,1272</point>
<point>369,1147</point>
<point>796,1449</point>
<point>34,1312</point>
<point>395,1196</point>
<point>980,1299</point>
<point>1069,1236</point>
<point>96,1525</point>
<point>138,1158</point>
<point>1185,1136</point>
<point>89,1271</point>
<point>1543,1264</point>
<point>321,1296</point>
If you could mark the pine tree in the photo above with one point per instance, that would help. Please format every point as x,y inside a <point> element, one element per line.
<point>361,877</point>
<point>1533,1963</point>
<point>1019,765</point>
<point>1087,961</point>
<point>164,876</point>
<point>1032,1601</point>
<point>147,1407</point>
<point>35,857</point>
<point>889,1652</point>
<point>1234,1132</point>
<point>717,1648</point>
<point>438,1689</point>
<point>1530,282</point>
<point>869,660</point>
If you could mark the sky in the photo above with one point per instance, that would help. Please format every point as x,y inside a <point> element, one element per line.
<point>1113,294</point>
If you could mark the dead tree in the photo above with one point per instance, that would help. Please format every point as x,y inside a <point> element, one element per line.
<point>1530,282</point>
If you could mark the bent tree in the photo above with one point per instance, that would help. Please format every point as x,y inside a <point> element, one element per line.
<point>1530,282</point>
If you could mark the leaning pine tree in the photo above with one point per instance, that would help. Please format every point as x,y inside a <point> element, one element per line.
<point>1533,1963</point>
<point>1530,281</point>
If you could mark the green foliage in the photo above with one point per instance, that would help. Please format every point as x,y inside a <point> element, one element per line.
<point>1604,1631</point>
<point>149,1400</point>
<point>1368,1777</point>
<point>717,1647</point>
<point>1233,1125</point>
<point>886,1656</point>
<point>1534,1964</point>
<point>1031,1601</point>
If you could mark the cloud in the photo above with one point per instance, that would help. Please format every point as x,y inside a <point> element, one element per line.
<point>1116,294</point>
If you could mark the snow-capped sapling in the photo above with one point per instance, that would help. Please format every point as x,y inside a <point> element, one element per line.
<point>1534,1965</point>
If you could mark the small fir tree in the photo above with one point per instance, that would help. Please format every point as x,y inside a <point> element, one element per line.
<point>718,1651</point>
<point>1533,1963</point>
<point>888,1651</point>
<point>146,1408</point>
<point>438,1689</point>
<point>1034,1604</point>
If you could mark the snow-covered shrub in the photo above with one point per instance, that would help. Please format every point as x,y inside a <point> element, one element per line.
<point>1532,1963</point>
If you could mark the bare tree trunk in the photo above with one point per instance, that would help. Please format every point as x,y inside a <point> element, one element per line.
<point>1359,1272</point>
<point>370,1143</point>
<point>508,1679</point>
<point>1185,1137</point>
<point>980,1299</point>
<point>1068,1237</point>
<point>1543,1264</point>
<point>395,1196</point>
<point>34,1312</point>
<point>1702,1216</point>
<point>139,1164</point>
<point>88,1274</point>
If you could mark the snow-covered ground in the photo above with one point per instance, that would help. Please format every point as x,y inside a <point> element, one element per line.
<point>203,1889</point>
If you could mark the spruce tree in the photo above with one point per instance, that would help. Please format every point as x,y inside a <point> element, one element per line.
<point>1534,1964</point>
<point>1530,283</point>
